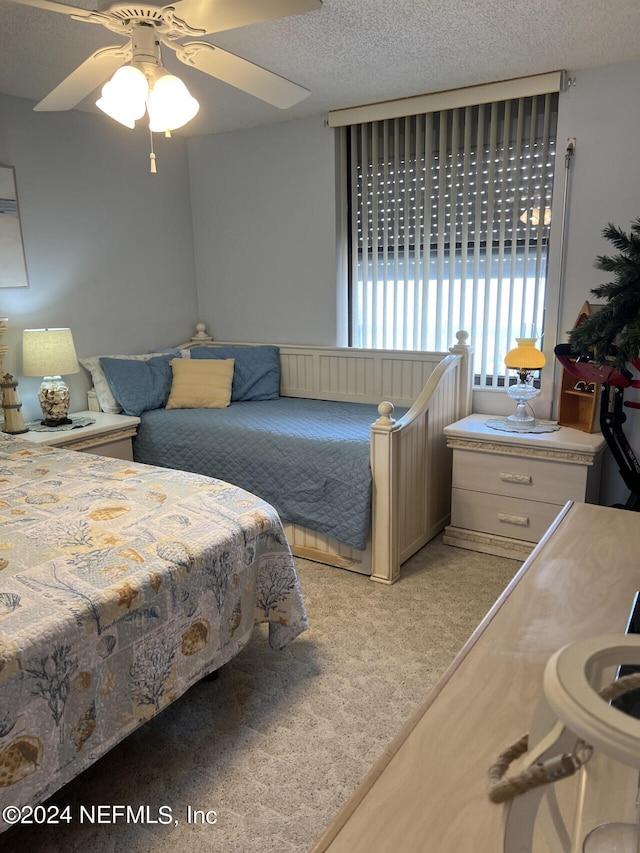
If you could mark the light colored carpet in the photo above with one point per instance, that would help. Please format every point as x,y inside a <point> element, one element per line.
<point>277,743</point>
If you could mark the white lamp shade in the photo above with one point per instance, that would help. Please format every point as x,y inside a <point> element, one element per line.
<point>170,105</point>
<point>124,97</point>
<point>48,352</point>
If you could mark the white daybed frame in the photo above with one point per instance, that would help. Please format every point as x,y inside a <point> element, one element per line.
<point>410,462</point>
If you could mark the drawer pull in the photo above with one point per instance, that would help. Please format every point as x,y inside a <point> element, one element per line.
<point>519,520</point>
<point>522,479</point>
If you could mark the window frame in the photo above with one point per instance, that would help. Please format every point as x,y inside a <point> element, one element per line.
<point>485,379</point>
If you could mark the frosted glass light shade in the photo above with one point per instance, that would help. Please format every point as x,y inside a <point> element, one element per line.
<point>48,352</point>
<point>166,98</point>
<point>170,104</point>
<point>124,97</point>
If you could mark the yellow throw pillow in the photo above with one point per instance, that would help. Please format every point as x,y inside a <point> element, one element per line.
<point>200,383</point>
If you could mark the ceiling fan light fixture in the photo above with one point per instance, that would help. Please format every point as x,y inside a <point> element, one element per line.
<point>170,104</point>
<point>124,97</point>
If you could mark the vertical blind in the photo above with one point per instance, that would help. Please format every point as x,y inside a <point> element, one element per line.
<point>449,220</point>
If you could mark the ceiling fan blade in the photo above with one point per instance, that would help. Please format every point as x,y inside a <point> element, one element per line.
<point>53,6</point>
<point>85,79</point>
<point>241,73</point>
<point>213,16</point>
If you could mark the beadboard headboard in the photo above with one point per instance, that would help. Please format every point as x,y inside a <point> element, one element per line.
<point>350,374</point>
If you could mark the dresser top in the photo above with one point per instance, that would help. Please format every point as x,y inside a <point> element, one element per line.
<point>429,789</point>
<point>474,427</point>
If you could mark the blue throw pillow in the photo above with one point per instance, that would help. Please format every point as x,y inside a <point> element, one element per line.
<point>139,385</point>
<point>256,374</point>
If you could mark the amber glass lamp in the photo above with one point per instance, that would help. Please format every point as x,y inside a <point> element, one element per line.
<point>525,358</point>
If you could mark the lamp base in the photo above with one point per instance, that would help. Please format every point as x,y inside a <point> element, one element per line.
<point>54,422</point>
<point>522,392</point>
<point>54,398</point>
<point>520,416</point>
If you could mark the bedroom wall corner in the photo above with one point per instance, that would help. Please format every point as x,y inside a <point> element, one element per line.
<point>264,214</point>
<point>601,110</point>
<point>109,247</point>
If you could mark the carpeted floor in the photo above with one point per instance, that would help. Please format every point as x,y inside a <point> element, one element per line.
<point>277,743</point>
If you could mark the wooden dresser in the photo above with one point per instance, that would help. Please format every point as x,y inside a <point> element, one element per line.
<point>427,793</point>
<point>508,487</point>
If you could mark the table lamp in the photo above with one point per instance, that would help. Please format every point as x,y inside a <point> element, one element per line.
<point>524,358</point>
<point>50,353</point>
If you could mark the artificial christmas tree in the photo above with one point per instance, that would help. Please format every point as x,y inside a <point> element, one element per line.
<point>612,335</point>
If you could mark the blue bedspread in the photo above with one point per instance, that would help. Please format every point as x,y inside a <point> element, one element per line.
<point>308,458</point>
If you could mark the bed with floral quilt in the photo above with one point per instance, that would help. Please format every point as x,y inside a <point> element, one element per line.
<point>121,585</point>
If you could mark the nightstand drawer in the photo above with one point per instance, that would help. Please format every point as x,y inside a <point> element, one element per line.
<point>501,515</point>
<point>119,449</point>
<point>519,477</point>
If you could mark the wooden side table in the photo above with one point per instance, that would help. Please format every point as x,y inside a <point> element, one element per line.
<point>109,435</point>
<point>508,487</point>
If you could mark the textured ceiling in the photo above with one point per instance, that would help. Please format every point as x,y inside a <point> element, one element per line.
<point>349,52</point>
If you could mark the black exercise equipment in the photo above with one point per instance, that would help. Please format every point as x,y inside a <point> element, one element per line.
<point>614,381</point>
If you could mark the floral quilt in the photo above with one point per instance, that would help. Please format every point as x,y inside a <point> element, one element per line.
<point>121,585</point>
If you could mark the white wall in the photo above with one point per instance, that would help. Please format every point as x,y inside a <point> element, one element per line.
<point>602,111</point>
<point>108,245</point>
<point>264,216</point>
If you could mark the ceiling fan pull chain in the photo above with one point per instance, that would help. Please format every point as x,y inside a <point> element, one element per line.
<point>152,156</point>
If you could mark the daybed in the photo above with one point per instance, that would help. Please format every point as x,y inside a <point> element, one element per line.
<point>121,585</point>
<point>354,486</point>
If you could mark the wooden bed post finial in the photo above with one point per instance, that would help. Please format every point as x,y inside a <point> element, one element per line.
<point>201,333</point>
<point>462,348</point>
<point>462,339</point>
<point>385,410</point>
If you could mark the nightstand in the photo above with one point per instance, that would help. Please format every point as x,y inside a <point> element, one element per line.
<point>508,487</point>
<point>109,435</point>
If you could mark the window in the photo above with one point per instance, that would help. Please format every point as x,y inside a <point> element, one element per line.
<point>448,227</point>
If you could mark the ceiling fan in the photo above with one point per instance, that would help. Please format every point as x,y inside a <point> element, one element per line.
<point>151,24</point>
